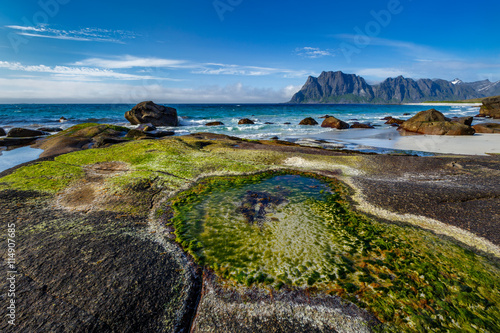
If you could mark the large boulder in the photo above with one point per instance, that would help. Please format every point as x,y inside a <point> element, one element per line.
<point>308,121</point>
<point>334,123</point>
<point>2,132</point>
<point>487,128</point>
<point>149,112</point>
<point>245,121</point>
<point>18,132</point>
<point>434,122</point>
<point>491,107</point>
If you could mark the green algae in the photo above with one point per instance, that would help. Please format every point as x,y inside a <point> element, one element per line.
<point>48,177</point>
<point>409,278</point>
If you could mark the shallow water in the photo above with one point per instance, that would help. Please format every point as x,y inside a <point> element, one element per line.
<point>290,242</point>
<point>11,158</point>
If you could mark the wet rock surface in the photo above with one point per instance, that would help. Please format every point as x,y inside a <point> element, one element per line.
<point>223,308</point>
<point>97,272</point>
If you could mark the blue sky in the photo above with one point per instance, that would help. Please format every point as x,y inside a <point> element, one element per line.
<point>233,51</point>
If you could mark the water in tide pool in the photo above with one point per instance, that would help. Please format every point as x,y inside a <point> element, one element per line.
<point>194,117</point>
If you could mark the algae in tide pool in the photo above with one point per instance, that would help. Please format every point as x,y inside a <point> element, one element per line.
<point>290,229</point>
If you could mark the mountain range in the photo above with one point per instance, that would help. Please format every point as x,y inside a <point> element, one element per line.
<point>341,88</point>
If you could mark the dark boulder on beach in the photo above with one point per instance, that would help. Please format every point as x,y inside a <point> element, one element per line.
<point>308,121</point>
<point>334,123</point>
<point>245,121</point>
<point>391,121</point>
<point>18,132</point>
<point>434,122</point>
<point>2,132</point>
<point>487,128</point>
<point>491,107</point>
<point>361,125</point>
<point>50,129</point>
<point>214,123</point>
<point>149,112</point>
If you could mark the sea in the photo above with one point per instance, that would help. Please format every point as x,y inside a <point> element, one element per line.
<point>271,120</point>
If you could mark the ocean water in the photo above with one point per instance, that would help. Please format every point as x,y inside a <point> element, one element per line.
<point>193,117</point>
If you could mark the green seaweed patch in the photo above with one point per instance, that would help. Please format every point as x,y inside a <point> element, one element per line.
<point>409,278</point>
<point>76,128</point>
<point>44,177</point>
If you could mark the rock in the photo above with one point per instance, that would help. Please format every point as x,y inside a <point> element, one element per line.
<point>434,122</point>
<point>487,128</point>
<point>2,132</point>
<point>308,121</point>
<point>360,125</point>
<point>17,132</point>
<point>407,114</point>
<point>50,129</point>
<point>214,123</point>
<point>146,127</point>
<point>481,116</point>
<point>287,123</point>
<point>136,134</point>
<point>323,117</point>
<point>104,275</point>
<point>62,120</point>
<point>274,138</point>
<point>245,121</point>
<point>334,123</point>
<point>162,134</point>
<point>394,121</point>
<point>268,123</point>
<point>81,137</point>
<point>233,309</point>
<point>10,142</point>
<point>149,112</point>
<point>463,120</point>
<point>491,107</point>
<point>386,118</point>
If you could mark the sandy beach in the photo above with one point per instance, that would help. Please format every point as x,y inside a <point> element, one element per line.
<point>477,144</point>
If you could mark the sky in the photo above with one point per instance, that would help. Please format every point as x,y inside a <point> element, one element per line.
<point>233,51</point>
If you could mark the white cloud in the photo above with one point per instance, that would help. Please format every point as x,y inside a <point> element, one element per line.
<point>86,34</point>
<point>128,61</point>
<point>42,91</point>
<point>84,73</point>
<point>313,52</point>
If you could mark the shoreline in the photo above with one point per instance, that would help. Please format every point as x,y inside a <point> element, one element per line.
<point>445,104</point>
